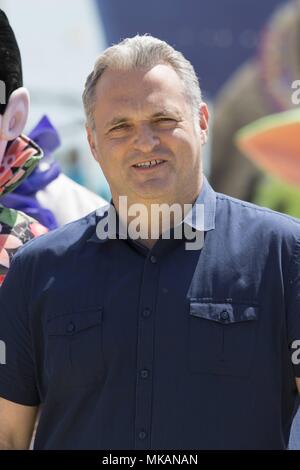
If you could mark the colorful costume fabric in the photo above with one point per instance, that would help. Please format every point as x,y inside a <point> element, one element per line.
<point>16,228</point>
<point>24,197</point>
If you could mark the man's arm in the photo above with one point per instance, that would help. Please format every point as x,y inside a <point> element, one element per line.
<point>298,383</point>
<point>16,425</point>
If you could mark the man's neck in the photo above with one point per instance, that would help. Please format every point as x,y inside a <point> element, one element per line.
<point>147,220</point>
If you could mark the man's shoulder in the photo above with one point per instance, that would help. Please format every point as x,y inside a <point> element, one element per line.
<point>57,242</point>
<point>262,218</point>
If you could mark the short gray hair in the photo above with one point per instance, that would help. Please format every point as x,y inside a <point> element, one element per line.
<point>141,52</point>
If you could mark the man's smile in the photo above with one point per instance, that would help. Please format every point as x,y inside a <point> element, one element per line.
<point>148,165</point>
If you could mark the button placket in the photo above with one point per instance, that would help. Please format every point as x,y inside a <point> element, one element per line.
<point>145,353</point>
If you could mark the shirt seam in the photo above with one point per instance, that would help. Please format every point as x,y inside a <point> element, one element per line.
<point>257,208</point>
<point>26,302</point>
<point>294,256</point>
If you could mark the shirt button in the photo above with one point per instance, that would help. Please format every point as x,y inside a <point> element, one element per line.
<point>144,373</point>
<point>70,327</point>
<point>153,259</point>
<point>224,315</point>
<point>142,435</point>
<point>146,313</point>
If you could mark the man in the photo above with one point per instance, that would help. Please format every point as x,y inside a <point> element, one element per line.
<point>130,341</point>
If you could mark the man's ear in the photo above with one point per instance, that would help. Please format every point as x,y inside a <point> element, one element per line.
<point>15,115</point>
<point>92,143</point>
<point>204,117</point>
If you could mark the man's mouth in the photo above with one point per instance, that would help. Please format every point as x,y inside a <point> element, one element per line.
<point>149,164</point>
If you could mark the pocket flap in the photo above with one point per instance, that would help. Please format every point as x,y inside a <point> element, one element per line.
<point>225,313</point>
<point>73,322</point>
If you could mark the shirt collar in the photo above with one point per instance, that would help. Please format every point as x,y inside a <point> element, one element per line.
<point>201,217</point>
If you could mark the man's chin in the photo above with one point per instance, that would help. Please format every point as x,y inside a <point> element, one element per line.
<point>157,188</point>
<point>154,195</point>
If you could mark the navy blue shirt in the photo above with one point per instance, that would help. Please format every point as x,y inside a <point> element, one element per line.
<point>168,348</point>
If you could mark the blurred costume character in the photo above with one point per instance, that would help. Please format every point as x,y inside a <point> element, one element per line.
<point>273,144</point>
<point>41,195</point>
<point>68,200</point>
<point>18,154</point>
<point>260,87</point>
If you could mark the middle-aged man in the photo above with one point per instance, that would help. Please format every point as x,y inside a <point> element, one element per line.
<point>140,342</point>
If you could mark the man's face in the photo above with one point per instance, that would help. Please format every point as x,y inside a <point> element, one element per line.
<point>143,116</point>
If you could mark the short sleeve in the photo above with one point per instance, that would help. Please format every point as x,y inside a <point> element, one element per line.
<point>293,309</point>
<point>17,370</point>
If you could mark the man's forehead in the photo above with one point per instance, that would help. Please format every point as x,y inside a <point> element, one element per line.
<point>144,80</point>
<point>149,93</point>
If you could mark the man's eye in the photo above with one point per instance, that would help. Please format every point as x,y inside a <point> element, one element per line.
<point>120,127</point>
<point>166,120</point>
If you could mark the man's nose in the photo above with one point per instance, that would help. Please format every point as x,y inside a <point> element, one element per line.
<point>145,138</point>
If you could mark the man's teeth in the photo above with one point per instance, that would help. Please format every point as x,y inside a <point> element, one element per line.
<point>148,164</point>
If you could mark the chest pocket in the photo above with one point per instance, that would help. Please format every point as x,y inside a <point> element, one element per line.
<point>221,337</point>
<point>74,355</point>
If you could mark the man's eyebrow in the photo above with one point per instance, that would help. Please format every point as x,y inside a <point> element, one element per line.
<point>166,112</point>
<point>122,119</point>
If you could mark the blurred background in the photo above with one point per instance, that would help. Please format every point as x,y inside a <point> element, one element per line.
<point>247,57</point>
